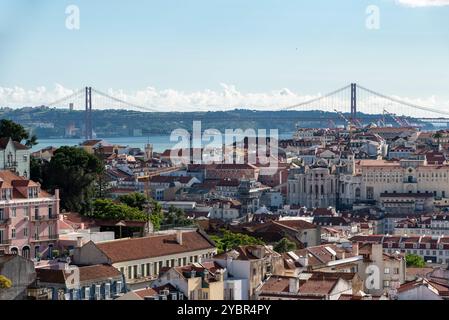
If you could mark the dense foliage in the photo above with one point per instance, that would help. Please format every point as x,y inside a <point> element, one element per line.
<point>109,210</point>
<point>135,200</point>
<point>176,218</point>
<point>74,172</point>
<point>284,245</point>
<point>230,240</point>
<point>15,131</point>
<point>415,261</point>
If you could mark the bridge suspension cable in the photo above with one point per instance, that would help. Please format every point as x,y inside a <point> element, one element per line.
<point>309,102</point>
<point>67,98</point>
<point>105,95</point>
<point>412,105</point>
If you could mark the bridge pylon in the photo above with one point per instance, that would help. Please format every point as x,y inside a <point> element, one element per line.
<point>353,102</point>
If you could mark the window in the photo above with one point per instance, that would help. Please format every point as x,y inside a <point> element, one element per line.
<point>386,284</point>
<point>142,270</point>
<point>25,232</point>
<point>396,271</point>
<point>387,270</point>
<point>130,272</point>
<point>148,270</point>
<point>13,233</point>
<point>136,271</point>
<point>13,212</point>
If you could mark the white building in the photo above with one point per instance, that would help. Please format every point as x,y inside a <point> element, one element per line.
<point>14,156</point>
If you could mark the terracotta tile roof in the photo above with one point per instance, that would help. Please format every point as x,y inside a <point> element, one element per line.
<point>97,272</point>
<point>90,143</point>
<point>87,274</point>
<point>297,224</point>
<point>154,246</point>
<point>147,292</point>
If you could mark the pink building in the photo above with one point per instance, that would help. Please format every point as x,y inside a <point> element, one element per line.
<point>28,217</point>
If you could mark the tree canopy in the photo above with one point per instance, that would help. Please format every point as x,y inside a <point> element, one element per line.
<point>284,245</point>
<point>415,261</point>
<point>73,171</point>
<point>15,131</point>
<point>176,217</point>
<point>109,210</point>
<point>135,200</point>
<point>230,240</point>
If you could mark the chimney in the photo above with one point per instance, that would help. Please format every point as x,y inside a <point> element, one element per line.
<point>79,242</point>
<point>293,285</point>
<point>179,237</point>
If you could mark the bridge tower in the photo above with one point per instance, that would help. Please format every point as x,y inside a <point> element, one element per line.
<point>88,114</point>
<point>353,102</point>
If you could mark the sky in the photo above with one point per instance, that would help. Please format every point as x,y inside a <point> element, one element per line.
<point>177,54</point>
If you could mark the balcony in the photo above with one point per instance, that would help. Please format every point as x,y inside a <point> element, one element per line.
<point>44,238</point>
<point>11,165</point>
<point>5,222</point>
<point>5,242</point>
<point>39,218</point>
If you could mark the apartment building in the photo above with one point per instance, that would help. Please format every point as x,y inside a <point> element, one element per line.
<point>246,269</point>
<point>28,217</point>
<point>96,282</point>
<point>434,249</point>
<point>141,260</point>
<point>433,225</point>
<point>320,286</point>
<point>198,281</point>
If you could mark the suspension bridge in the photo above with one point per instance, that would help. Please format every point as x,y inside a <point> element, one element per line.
<point>352,104</point>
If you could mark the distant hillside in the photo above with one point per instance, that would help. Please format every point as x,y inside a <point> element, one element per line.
<point>58,123</point>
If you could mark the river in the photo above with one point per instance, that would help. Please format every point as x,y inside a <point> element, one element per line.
<point>160,142</point>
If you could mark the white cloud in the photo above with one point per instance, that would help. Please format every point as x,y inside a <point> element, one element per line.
<point>228,98</point>
<point>423,3</point>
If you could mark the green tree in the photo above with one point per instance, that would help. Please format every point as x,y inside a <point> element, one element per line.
<point>107,209</point>
<point>284,245</point>
<point>73,171</point>
<point>5,283</point>
<point>135,200</point>
<point>230,240</point>
<point>415,261</point>
<point>15,131</point>
<point>156,215</point>
<point>176,217</point>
